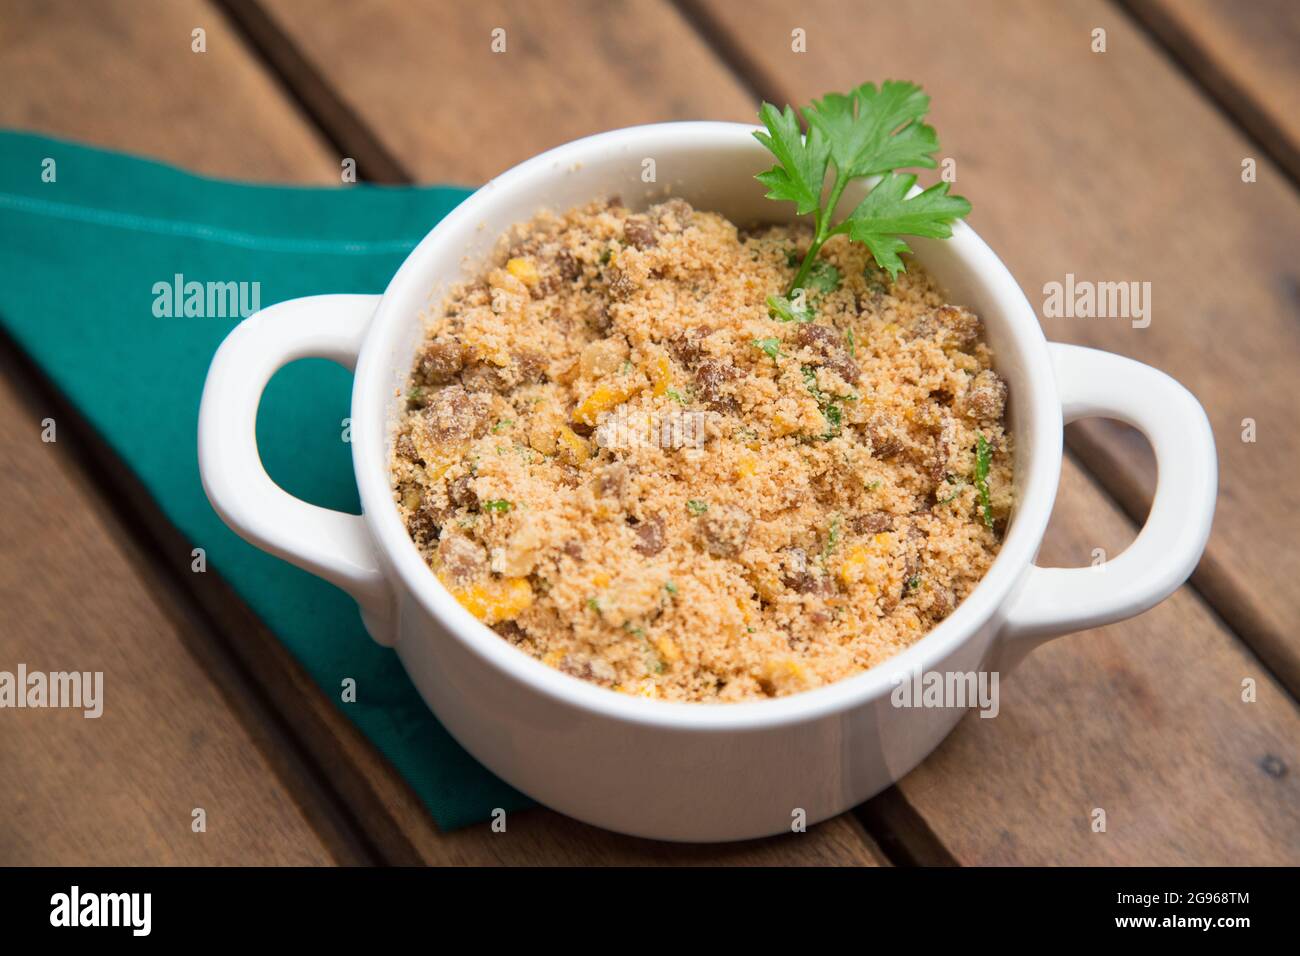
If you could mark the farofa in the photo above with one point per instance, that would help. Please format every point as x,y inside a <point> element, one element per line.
<point>827,520</point>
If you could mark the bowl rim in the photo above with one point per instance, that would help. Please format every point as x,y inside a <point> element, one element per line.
<point>1041,470</point>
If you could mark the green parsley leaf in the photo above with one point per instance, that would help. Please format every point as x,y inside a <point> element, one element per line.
<point>867,132</point>
<point>801,161</point>
<point>983,458</point>
<point>873,131</point>
<point>497,505</point>
<point>886,213</point>
<point>771,346</point>
<point>697,507</point>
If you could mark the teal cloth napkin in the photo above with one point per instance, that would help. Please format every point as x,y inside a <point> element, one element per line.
<point>89,240</point>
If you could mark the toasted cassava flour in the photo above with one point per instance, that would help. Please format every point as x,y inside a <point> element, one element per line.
<point>622,459</point>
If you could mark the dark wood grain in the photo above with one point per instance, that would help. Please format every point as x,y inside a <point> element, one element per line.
<point>448,109</point>
<point>1245,55</point>
<point>121,74</point>
<point>1144,720</point>
<point>755,40</point>
<point>304,745</point>
<point>1107,166</point>
<point>119,788</point>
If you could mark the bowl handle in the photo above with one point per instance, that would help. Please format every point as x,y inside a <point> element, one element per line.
<point>1095,384</point>
<point>330,544</point>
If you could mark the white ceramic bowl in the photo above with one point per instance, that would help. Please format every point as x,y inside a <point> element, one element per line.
<point>690,771</point>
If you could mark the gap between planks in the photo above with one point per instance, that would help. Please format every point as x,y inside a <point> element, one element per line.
<point>124,499</point>
<point>1073,459</point>
<point>900,832</point>
<point>1098,460</point>
<point>1217,83</point>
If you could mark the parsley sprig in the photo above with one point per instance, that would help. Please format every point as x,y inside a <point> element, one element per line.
<point>867,132</point>
<point>983,458</point>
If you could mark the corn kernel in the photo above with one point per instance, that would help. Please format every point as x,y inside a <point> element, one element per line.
<point>496,599</point>
<point>854,565</point>
<point>660,375</point>
<point>602,398</point>
<point>746,466</point>
<point>667,649</point>
<point>524,271</point>
<point>571,445</point>
<point>782,425</point>
<point>784,673</point>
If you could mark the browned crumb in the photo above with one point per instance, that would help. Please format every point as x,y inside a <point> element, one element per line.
<point>615,456</point>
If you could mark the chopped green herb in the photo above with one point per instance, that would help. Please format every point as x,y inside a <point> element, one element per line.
<point>983,458</point>
<point>606,256</point>
<point>504,423</point>
<point>853,348</point>
<point>873,485</point>
<point>627,367</point>
<point>593,604</point>
<point>952,480</point>
<point>863,133</point>
<point>913,583</point>
<point>697,507</point>
<point>832,537</point>
<point>784,309</point>
<point>676,396</point>
<point>810,382</point>
<point>771,346</point>
<point>792,258</point>
<point>834,415</point>
<point>823,277</point>
<point>416,395</point>
<point>497,505</point>
<point>670,587</point>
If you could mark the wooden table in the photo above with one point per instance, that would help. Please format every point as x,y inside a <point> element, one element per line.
<point>1113,166</point>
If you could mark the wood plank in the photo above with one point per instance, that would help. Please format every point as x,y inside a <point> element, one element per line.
<point>398,129</point>
<point>1247,55</point>
<point>121,74</point>
<point>1144,720</point>
<point>450,110</point>
<point>378,801</point>
<point>573,76</point>
<point>1028,118</point>
<point>1110,167</point>
<point>546,838</point>
<point>119,788</point>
